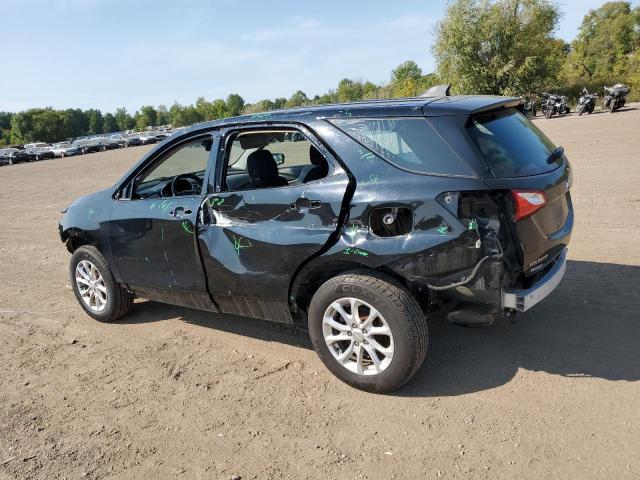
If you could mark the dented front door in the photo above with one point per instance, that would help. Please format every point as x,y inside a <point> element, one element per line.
<point>255,240</point>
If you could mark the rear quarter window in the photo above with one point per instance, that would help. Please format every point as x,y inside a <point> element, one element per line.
<point>409,143</point>
<point>510,144</point>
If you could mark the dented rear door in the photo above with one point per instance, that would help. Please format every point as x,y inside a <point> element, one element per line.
<point>253,241</point>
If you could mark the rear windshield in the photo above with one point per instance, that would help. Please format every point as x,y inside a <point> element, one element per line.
<point>408,143</point>
<point>511,145</point>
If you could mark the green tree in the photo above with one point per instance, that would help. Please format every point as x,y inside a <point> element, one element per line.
<point>95,121</point>
<point>109,125</point>
<point>261,106</point>
<point>184,115</point>
<point>235,105</point>
<point>123,119</point>
<point>163,115</point>
<point>75,121</point>
<point>146,117</point>
<point>297,99</point>
<point>279,103</point>
<point>38,125</point>
<point>500,47</point>
<point>349,90</point>
<point>5,128</point>
<point>603,50</point>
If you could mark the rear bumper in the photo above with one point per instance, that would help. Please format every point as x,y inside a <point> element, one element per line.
<point>523,299</point>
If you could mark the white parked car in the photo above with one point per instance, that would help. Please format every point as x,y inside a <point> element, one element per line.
<point>65,149</point>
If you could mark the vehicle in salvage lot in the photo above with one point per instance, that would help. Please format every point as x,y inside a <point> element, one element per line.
<point>147,137</point>
<point>6,156</point>
<point>20,155</point>
<point>39,150</point>
<point>377,214</point>
<point>107,143</point>
<point>87,145</point>
<point>65,149</point>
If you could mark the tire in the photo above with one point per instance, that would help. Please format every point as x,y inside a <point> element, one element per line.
<point>580,111</point>
<point>399,314</point>
<point>118,299</point>
<point>548,113</point>
<point>62,155</point>
<point>612,107</point>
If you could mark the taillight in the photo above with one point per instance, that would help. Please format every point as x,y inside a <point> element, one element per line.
<point>527,202</point>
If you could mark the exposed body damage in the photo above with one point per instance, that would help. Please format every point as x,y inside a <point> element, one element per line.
<point>260,212</point>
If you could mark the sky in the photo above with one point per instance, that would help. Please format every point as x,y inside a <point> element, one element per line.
<point>112,53</point>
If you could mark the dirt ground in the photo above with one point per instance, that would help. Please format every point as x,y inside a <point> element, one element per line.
<point>171,392</point>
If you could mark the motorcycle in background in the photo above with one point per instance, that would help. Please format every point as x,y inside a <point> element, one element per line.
<point>529,108</point>
<point>587,102</point>
<point>615,97</point>
<point>554,104</point>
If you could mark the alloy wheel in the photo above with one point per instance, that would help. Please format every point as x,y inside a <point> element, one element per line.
<point>358,336</point>
<point>91,286</point>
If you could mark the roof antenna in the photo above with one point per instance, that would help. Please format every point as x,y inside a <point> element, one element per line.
<point>437,91</point>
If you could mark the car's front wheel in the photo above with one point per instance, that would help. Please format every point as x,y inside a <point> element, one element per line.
<point>95,287</point>
<point>368,331</point>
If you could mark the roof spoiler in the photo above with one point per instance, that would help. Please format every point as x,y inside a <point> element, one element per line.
<point>437,91</point>
<point>509,102</point>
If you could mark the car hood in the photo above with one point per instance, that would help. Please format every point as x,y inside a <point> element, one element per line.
<point>100,196</point>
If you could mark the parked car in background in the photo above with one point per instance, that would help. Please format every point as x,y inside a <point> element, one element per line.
<point>356,220</point>
<point>6,157</point>
<point>39,150</point>
<point>161,136</point>
<point>20,155</point>
<point>107,143</point>
<point>65,149</point>
<point>87,145</point>
<point>125,140</point>
<point>147,138</point>
<point>132,141</point>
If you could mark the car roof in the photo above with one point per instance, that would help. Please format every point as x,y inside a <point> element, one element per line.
<point>397,107</point>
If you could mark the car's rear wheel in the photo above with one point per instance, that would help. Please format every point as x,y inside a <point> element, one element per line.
<point>368,331</point>
<point>95,286</point>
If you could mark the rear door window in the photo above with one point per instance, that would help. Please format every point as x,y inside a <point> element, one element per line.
<point>409,143</point>
<point>510,144</point>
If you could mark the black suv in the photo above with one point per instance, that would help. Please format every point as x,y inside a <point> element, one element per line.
<point>358,220</point>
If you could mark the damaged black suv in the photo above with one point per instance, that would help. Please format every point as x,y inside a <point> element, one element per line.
<point>358,220</point>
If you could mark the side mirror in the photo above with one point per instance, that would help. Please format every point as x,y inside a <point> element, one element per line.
<point>278,157</point>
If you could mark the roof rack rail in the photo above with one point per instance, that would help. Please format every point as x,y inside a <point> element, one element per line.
<point>437,91</point>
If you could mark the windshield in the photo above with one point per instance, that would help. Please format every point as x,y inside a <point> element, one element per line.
<point>511,145</point>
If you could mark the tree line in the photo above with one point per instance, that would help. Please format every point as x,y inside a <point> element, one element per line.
<point>497,47</point>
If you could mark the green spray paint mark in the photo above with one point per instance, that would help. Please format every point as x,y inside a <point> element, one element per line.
<point>216,201</point>
<point>185,227</point>
<point>240,243</point>
<point>374,178</point>
<point>344,113</point>
<point>366,155</point>
<point>473,224</point>
<point>91,213</point>
<point>164,206</point>
<point>443,229</point>
<point>261,116</point>
<point>355,251</point>
<point>147,260</point>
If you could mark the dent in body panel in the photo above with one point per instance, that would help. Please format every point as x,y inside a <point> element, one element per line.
<point>255,240</point>
<point>439,248</point>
